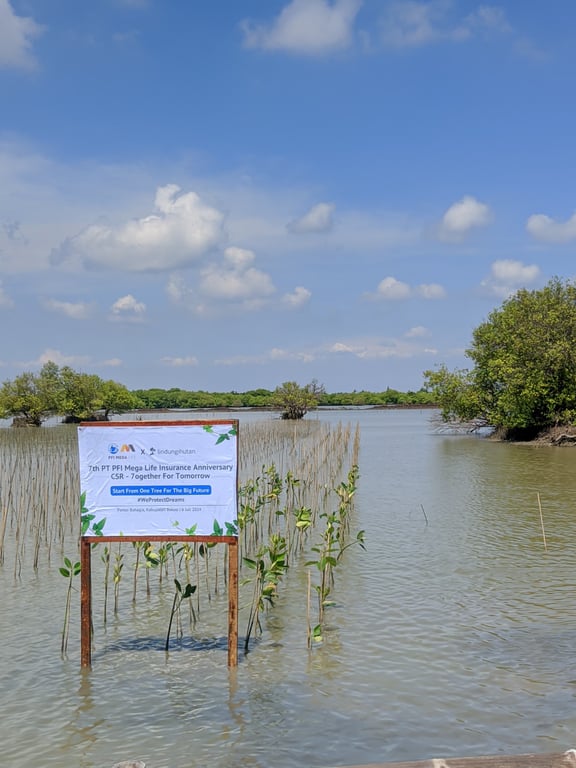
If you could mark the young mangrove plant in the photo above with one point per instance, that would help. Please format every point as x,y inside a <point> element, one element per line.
<point>105,557</point>
<point>186,552</point>
<point>152,560</point>
<point>269,565</point>
<point>69,571</point>
<point>117,576</point>
<point>334,541</point>
<point>179,595</point>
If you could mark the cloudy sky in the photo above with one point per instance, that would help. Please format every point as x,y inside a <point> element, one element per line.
<point>227,195</point>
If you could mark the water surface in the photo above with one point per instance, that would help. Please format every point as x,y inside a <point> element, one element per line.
<point>453,635</point>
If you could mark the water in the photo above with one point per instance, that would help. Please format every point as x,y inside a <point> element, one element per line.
<point>453,635</point>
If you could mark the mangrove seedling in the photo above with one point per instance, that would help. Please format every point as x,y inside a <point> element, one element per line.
<point>269,565</point>
<point>117,576</point>
<point>69,571</point>
<point>178,597</point>
<point>105,557</point>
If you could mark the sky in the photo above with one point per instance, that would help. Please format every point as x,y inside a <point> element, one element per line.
<point>227,195</point>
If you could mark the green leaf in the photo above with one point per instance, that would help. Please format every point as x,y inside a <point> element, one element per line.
<point>64,573</point>
<point>98,528</point>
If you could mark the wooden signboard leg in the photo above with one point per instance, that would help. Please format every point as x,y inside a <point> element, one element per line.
<point>233,604</point>
<point>85,605</point>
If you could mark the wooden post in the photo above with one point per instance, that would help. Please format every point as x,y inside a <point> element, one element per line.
<point>85,604</point>
<point>556,760</point>
<point>233,603</point>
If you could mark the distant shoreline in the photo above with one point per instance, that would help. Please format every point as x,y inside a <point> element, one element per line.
<point>264,409</point>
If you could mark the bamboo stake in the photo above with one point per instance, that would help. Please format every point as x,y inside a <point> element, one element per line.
<point>542,522</point>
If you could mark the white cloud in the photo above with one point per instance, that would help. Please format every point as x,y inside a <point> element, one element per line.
<point>127,308</point>
<point>76,311</point>
<point>180,362</point>
<point>286,354</point>
<point>463,216</point>
<point>318,219</point>
<point>235,279</point>
<point>55,356</point>
<point>273,355</point>
<point>177,289</point>
<point>507,276</point>
<point>410,23</point>
<point>431,291</point>
<point>488,17</point>
<point>392,289</point>
<point>182,230</point>
<point>16,36</point>
<point>297,298</point>
<point>360,348</point>
<point>374,348</point>
<point>546,229</point>
<point>5,300</point>
<point>418,332</point>
<point>311,27</point>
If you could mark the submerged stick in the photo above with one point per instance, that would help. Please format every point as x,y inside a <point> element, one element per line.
<point>424,513</point>
<point>542,522</point>
<point>2,532</point>
<point>309,627</point>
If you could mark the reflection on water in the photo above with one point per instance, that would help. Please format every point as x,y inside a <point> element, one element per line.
<point>454,634</point>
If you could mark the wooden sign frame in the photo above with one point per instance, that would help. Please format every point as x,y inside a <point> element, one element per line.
<point>86,543</point>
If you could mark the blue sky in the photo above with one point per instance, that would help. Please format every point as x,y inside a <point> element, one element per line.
<point>227,195</point>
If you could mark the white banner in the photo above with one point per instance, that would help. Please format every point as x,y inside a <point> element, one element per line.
<point>149,479</point>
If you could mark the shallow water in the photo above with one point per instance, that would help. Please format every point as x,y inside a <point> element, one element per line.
<point>453,634</point>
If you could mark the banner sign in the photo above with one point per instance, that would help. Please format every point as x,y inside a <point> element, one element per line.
<point>149,479</point>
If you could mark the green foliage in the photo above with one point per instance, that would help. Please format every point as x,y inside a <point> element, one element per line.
<point>69,570</point>
<point>54,390</point>
<point>334,542</point>
<point>264,398</point>
<point>524,375</point>
<point>454,392</point>
<point>295,401</point>
<point>23,397</point>
<point>269,566</point>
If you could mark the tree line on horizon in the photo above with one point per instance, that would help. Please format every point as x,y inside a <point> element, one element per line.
<point>157,398</point>
<point>31,398</point>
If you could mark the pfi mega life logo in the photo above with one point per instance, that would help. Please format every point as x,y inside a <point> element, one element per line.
<point>120,451</point>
